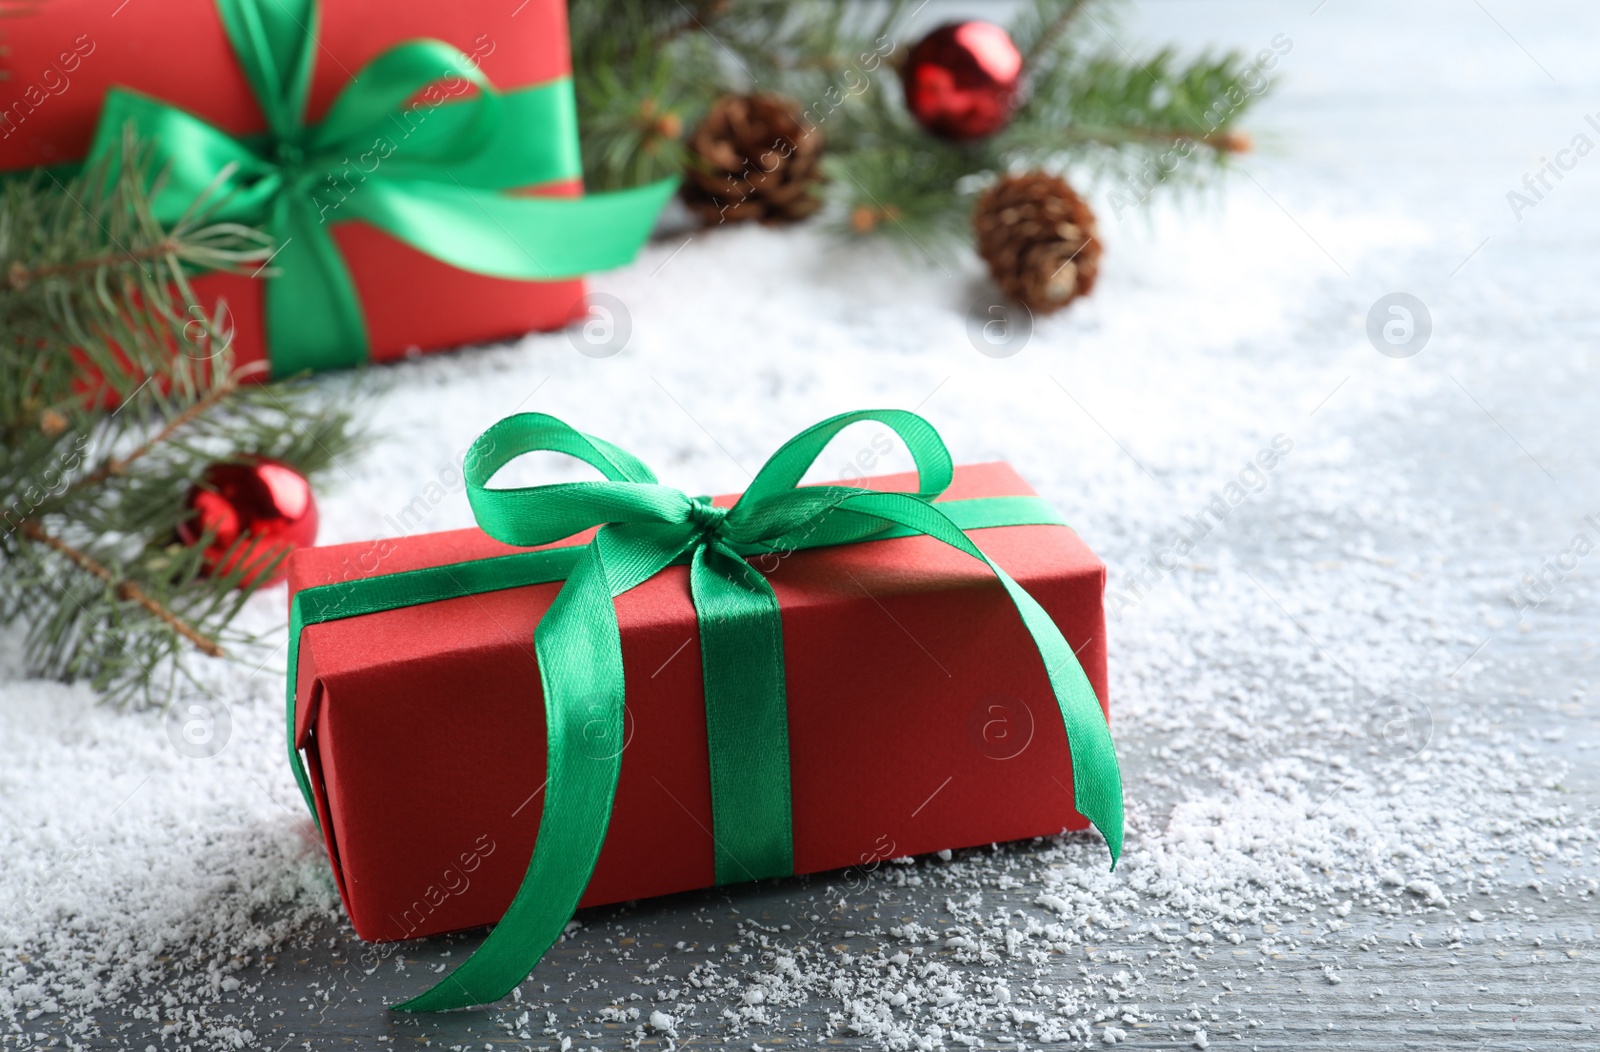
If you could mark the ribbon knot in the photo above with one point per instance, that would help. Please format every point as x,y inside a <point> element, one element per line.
<point>288,154</point>
<point>706,516</point>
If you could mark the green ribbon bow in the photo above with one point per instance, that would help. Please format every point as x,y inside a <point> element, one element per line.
<point>645,527</point>
<point>429,172</point>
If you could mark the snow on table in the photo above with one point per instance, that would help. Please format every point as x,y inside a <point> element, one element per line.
<point>1355,712</point>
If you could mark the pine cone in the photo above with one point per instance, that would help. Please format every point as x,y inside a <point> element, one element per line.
<point>1039,239</point>
<point>752,158</point>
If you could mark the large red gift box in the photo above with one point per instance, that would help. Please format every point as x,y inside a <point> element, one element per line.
<point>920,717</point>
<point>62,57</point>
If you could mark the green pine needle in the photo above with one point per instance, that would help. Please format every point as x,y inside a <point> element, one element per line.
<point>116,392</point>
<point>1108,115</point>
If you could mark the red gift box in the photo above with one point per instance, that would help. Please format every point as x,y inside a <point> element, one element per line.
<point>63,57</point>
<point>920,717</point>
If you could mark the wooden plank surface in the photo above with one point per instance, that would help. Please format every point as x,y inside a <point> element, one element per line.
<point>1427,114</point>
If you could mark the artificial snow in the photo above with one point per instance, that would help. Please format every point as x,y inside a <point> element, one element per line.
<point>1314,745</point>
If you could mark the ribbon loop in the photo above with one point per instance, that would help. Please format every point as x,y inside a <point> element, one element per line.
<point>795,457</point>
<point>775,513</point>
<point>536,515</point>
<point>538,433</point>
<point>372,105</point>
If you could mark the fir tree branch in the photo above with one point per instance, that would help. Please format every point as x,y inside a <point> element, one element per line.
<point>98,342</point>
<point>704,11</point>
<point>128,591</point>
<point>119,465</point>
<point>21,276</point>
<point>1104,113</point>
<point>1052,31</point>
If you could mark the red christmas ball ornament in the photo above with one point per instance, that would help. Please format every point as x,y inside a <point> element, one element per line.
<point>260,500</point>
<point>963,80</point>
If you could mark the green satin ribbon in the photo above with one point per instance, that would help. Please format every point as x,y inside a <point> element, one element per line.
<point>428,171</point>
<point>645,527</point>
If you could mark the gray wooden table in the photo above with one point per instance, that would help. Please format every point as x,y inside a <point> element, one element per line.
<point>1371,95</point>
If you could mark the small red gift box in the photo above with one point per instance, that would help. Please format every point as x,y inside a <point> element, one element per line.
<point>919,715</point>
<point>64,58</point>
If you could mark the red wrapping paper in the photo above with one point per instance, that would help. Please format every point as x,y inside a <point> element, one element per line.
<point>920,717</point>
<point>62,59</point>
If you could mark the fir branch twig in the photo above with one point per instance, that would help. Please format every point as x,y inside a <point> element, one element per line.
<point>1053,31</point>
<point>127,590</point>
<point>692,19</point>
<point>119,465</point>
<point>20,276</point>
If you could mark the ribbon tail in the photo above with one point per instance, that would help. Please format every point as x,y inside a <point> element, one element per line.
<point>580,665</point>
<point>313,316</point>
<point>747,723</point>
<point>1096,777</point>
<point>579,647</point>
<point>525,238</point>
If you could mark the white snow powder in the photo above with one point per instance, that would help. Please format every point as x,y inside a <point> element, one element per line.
<point>145,887</point>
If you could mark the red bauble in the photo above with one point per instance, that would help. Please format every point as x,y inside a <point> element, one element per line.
<point>963,80</point>
<point>260,500</point>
